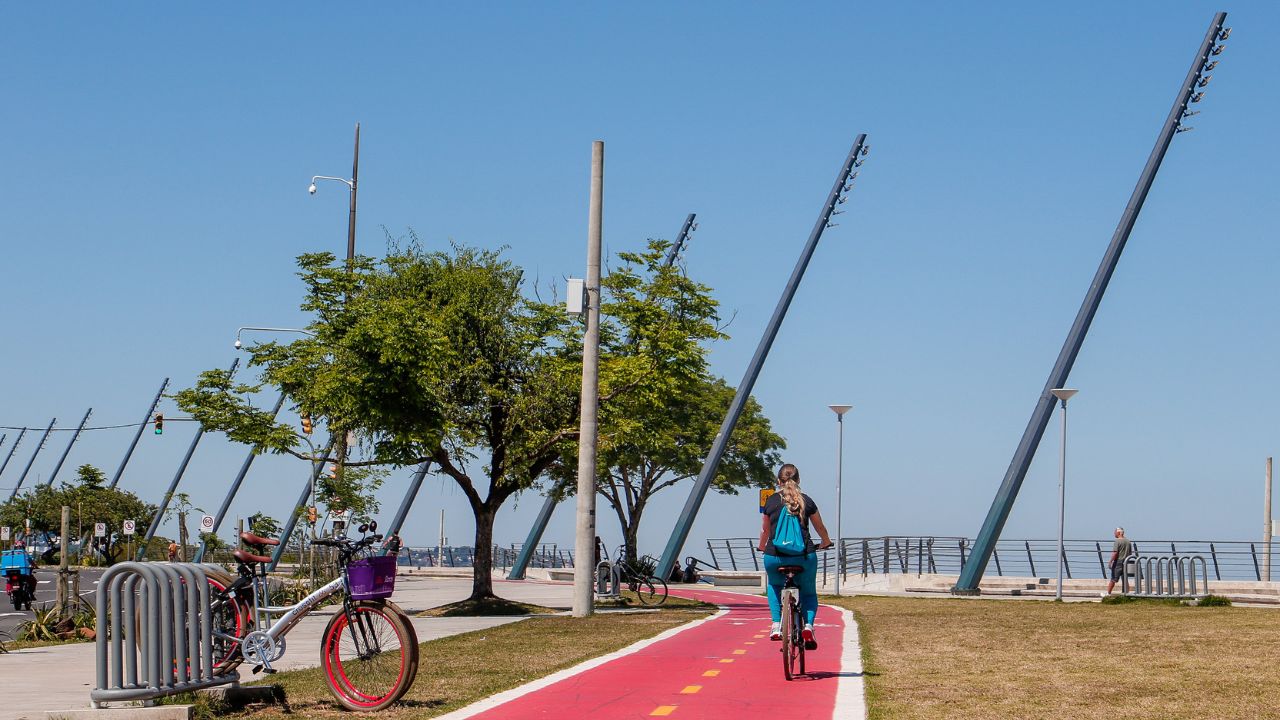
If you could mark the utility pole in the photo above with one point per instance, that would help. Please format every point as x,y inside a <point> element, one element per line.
<point>585,538</point>
<point>1266,527</point>
<point>64,562</point>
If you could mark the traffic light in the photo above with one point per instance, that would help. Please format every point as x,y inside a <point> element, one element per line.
<point>159,424</point>
<point>306,423</point>
<point>312,515</point>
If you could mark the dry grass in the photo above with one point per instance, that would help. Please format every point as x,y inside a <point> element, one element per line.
<point>458,670</point>
<point>963,658</point>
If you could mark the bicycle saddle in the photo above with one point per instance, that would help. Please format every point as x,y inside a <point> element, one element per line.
<point>252,539</point>
<point>249,558</point>
<point>790,569</point>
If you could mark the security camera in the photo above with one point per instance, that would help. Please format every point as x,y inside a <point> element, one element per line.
<point>312,189</point>
<point>237,344</point>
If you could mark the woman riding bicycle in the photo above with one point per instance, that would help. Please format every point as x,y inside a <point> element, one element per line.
<point>790,501</point>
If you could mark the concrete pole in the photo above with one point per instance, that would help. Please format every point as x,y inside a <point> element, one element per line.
<point>64,562</point>
<point>585,538</point>
<point>440,546</point>
<point>1062,498</point>
<point>839,500</point>
<point>1266,527</point>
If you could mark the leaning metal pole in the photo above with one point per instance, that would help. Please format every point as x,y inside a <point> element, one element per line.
<point>74,436</point>
<point>141,427</point>
<point>32,461</point>
<point>235,488</point>
<point>549,505</point>
<point>177,476</point>
<point>410,494</point>
<point>292,522</point>
<point>976,565</point>
<point>837,196</point>
<point>12,448</point>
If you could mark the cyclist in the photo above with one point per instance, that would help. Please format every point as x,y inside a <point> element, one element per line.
<point>790,500</point>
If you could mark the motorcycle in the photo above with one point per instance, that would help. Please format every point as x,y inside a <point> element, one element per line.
<point>19,578</point>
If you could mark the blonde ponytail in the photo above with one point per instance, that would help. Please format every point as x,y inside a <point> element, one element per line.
<point>789,489</point>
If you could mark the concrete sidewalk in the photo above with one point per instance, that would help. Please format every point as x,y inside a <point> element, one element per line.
<point>38,680</point>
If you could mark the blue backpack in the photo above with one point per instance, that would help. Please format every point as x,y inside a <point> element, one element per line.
<point>789,538</point>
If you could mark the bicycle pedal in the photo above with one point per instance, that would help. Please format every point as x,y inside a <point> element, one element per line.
<point>257,669</point>
<point>270,671</point>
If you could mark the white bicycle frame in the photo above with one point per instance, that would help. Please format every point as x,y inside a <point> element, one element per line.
<point>289,614</point>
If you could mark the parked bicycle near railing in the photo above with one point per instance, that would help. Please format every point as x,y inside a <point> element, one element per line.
<point>369,650</point>
<point>638,577</point>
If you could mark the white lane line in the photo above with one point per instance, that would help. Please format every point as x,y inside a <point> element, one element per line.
<point>503,697</point>
<point>851,692</point>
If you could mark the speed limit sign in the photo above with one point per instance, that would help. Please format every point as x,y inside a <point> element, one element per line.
<point>206,523</point>
<point>99,529</point>
<point>4,534</point>
<point>128,526</point>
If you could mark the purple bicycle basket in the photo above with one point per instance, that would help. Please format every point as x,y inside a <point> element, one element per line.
<point>372,578</point>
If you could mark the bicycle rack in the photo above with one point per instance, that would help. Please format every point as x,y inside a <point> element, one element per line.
<point>167,647</point>
<point>1165,576</point>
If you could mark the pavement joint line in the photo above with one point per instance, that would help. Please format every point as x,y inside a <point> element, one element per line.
<point>507,695</point>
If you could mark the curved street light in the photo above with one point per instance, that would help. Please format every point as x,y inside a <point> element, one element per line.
<point>239,344</point>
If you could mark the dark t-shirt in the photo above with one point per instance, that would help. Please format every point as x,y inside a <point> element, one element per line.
<point>774,508</point>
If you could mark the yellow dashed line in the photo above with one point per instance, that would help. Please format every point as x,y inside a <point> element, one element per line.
<point>711,673</point>
<point>691,689</point>
<point>663,710</point>
<point>726,660</point>
<point>749,642</point>
<point>739,652</point>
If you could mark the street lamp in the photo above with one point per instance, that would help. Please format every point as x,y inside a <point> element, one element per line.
<point>839,410</point>
<point>351,185</point>
<point>1063,394</point>
<point>269,329</point>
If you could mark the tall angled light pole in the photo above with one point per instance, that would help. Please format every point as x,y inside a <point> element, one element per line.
<point>351,185</point>
<point>839,410</point>
<point>1063,394</point>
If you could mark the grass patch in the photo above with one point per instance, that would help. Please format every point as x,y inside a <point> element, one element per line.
<point>488,607</point>
<point>961,658</point>
<point>25,644</point>
<point>459,670</point>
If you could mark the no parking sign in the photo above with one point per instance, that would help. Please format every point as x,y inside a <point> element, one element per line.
<point>99,529</point>
<point>129,527</point>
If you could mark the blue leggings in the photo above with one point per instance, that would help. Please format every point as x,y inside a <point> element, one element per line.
<point>807,581</point>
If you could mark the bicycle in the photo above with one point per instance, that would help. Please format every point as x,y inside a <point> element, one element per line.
<point>792,623</point>
<point>638,578</point>
<point>369,650</point>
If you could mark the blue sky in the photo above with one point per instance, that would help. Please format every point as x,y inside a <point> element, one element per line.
<point>156,160</point>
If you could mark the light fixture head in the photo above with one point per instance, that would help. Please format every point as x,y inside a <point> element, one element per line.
<point>840,409</point>
<point>1218,50</point>
<point>1197,97</point>
<point>1205,80</point>
<point>866,149</point>
<point>1063,394</point>
<point>312,189</point>
<point>1226,33</point>
<point>1209,66</point>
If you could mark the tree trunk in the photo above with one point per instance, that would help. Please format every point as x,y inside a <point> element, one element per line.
<point>482,568</point>
<point>182,537</point>
<point>630,531</point>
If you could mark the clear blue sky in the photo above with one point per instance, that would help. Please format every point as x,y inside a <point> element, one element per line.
<point>155,163</point>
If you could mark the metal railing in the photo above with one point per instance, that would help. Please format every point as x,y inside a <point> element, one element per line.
<point>947,555</point>
<point>547,555</point>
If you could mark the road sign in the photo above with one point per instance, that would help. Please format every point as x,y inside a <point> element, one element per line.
<point>764,496</point>
<point>206,523</point>
<point>4,534</point>
<point>128,527</point>
<point>99,529</point>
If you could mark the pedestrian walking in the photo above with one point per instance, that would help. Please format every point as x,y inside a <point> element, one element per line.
<point>1120,550</point>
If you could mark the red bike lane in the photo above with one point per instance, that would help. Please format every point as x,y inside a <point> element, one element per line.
<point>722,669</point>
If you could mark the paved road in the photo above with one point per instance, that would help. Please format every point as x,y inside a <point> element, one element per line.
<point>721,669</point>
<point>10,619</point>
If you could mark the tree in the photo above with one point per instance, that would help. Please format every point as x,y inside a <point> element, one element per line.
<point>179,509</point>
<point>111,506</point>
<point>662,407</point>
<point>422,356</point>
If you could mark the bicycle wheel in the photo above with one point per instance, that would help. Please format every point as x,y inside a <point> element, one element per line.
<point>231,616</point>
<point>650,590</point>
<point>370,657</point>
<point>797,613</point>
<point>788,635</point>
